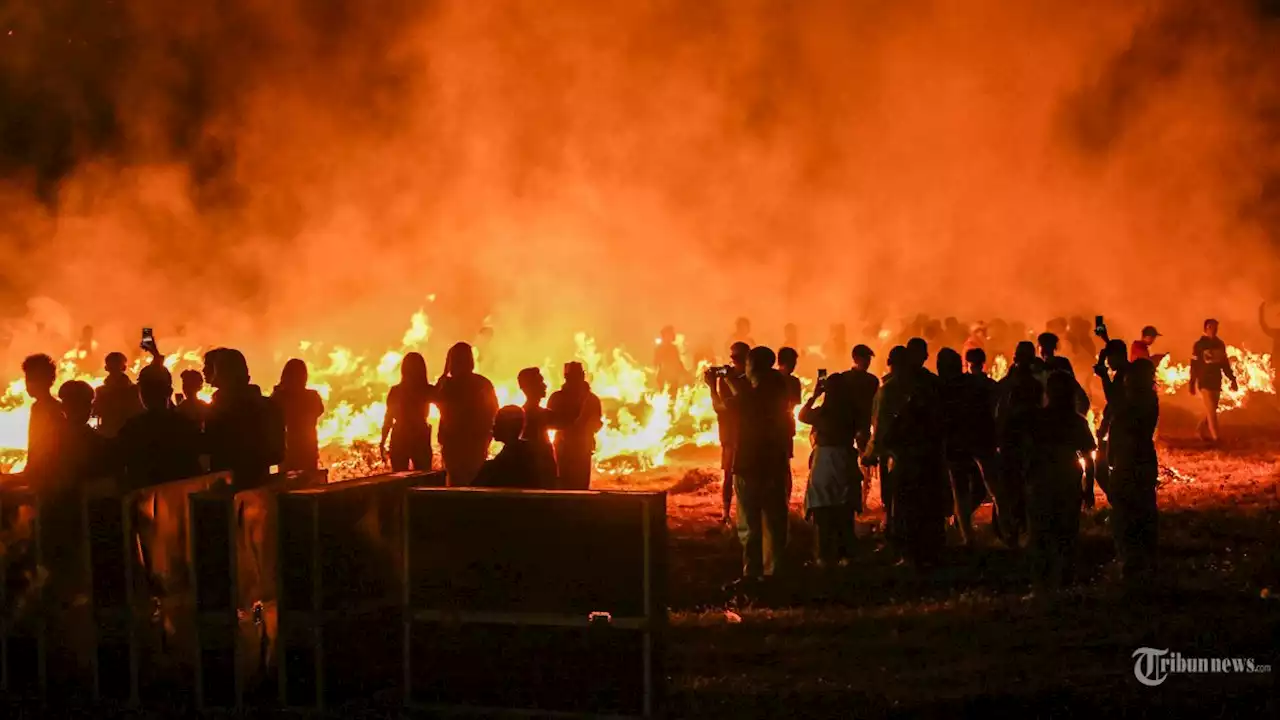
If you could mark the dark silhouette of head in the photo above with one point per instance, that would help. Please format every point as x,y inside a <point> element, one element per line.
<point>574,374</point>
<point>976,359</point>
<point>192,383</point>
<point>1024,354</point>
<point>40,374</point>
<point>738,355</point>
<point>1149,334</point>
<point>759,361</point>
<point>1211,328</point>
<point>837,389</point>
<point>155,385</point>
<point>899,358</point>
<point>1116,353</point>
<point>461,359</point>
<point>532,384</point>
<point>77,401</point>
<point>508,424</point>
<point>294,375</point>
<point>211,366</point>
<point>1048,343</point>
<point>787,360</point>
<point>668,335</point>
<point>1141,378</point>
<point>918,351</point>
<point>949,363</point>
<point>413,371</point>
<point>862,357</point>
<point>232,369</point>
<point>790,334</point>
<point>115,362</point>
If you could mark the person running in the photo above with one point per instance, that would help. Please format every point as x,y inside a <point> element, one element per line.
<point>405,423</point>
<point>1209,365</point>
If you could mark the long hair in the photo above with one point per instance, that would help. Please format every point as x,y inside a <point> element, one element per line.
<point>294,375</point>
<point>413,371</point>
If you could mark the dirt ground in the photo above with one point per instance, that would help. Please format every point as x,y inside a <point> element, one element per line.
<point>880,640</point>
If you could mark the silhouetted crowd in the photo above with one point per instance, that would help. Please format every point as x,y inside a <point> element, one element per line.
<point>943,441</point>
<point>144,435</point>
<point>940,441</point>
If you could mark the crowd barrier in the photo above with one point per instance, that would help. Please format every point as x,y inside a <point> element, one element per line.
<point>309,594</point>
<point>341,586</point>
<point>535,601</point>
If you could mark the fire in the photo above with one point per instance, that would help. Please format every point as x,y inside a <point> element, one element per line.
<point>642,425</point>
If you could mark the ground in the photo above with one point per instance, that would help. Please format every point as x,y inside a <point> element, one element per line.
<point>881,640</point>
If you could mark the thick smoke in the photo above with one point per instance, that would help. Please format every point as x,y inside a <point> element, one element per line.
<point>261,171</point>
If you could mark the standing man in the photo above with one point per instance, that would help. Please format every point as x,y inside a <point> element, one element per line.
<point>1141,348</point>
<point>1209,364</point>
<point>761,465</point>
<point>862,387</point>
<point>577,417</point>
<point>727,418</point>
<point>1274,334</point>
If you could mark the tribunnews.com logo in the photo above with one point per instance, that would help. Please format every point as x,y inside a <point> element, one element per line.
<point>1152,667</point>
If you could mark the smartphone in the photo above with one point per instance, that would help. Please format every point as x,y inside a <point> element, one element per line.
<point>148,337</point>
<point>822,373</point>
<point>1099,327</point>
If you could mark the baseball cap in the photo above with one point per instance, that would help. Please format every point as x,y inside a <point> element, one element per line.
<point>1150,331</point>
<point>862,351</point>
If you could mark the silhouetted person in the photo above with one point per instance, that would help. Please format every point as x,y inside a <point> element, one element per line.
<point>670,370</point>
<point>1135,473</point>
<point>907,431</point>
<point>1209,365</point>
<point>918,355</point>
<point>191,406</point>
<point>517,464</point>
<point>84,450</point>
<point>162,444</point>
<point>405,422</point>
<point>762,463</point>
<point>85,348</point>
<point>538,422</point>
<point>578,417</point>
<point>1052,362</point>
<point>1141,347</point>
<point>244,432</point>
<point>1274,334</point>
<point>742,332</point>
<point>484,352</point>
<point>1080,346</point>
<point>1058,439</point>
<point>836,347</point>
<point>790,336</point>
<point>46,427</point>
<point>1113,363</point>
<point>787,359</point>
<point>977,339</point>
<point>301,409</point>
<point>862,387</point>
<point>1019,396</point>
<point>834,494</point>
<point>468,405</point>
<point>117,399</point>
<point>727,419</point>
<point>968,409</point>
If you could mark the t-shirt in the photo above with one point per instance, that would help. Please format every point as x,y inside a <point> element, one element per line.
<point>1209,363</point>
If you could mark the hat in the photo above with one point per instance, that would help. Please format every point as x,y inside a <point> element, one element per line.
<point>1150,331</point>
<point>862,351</point>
